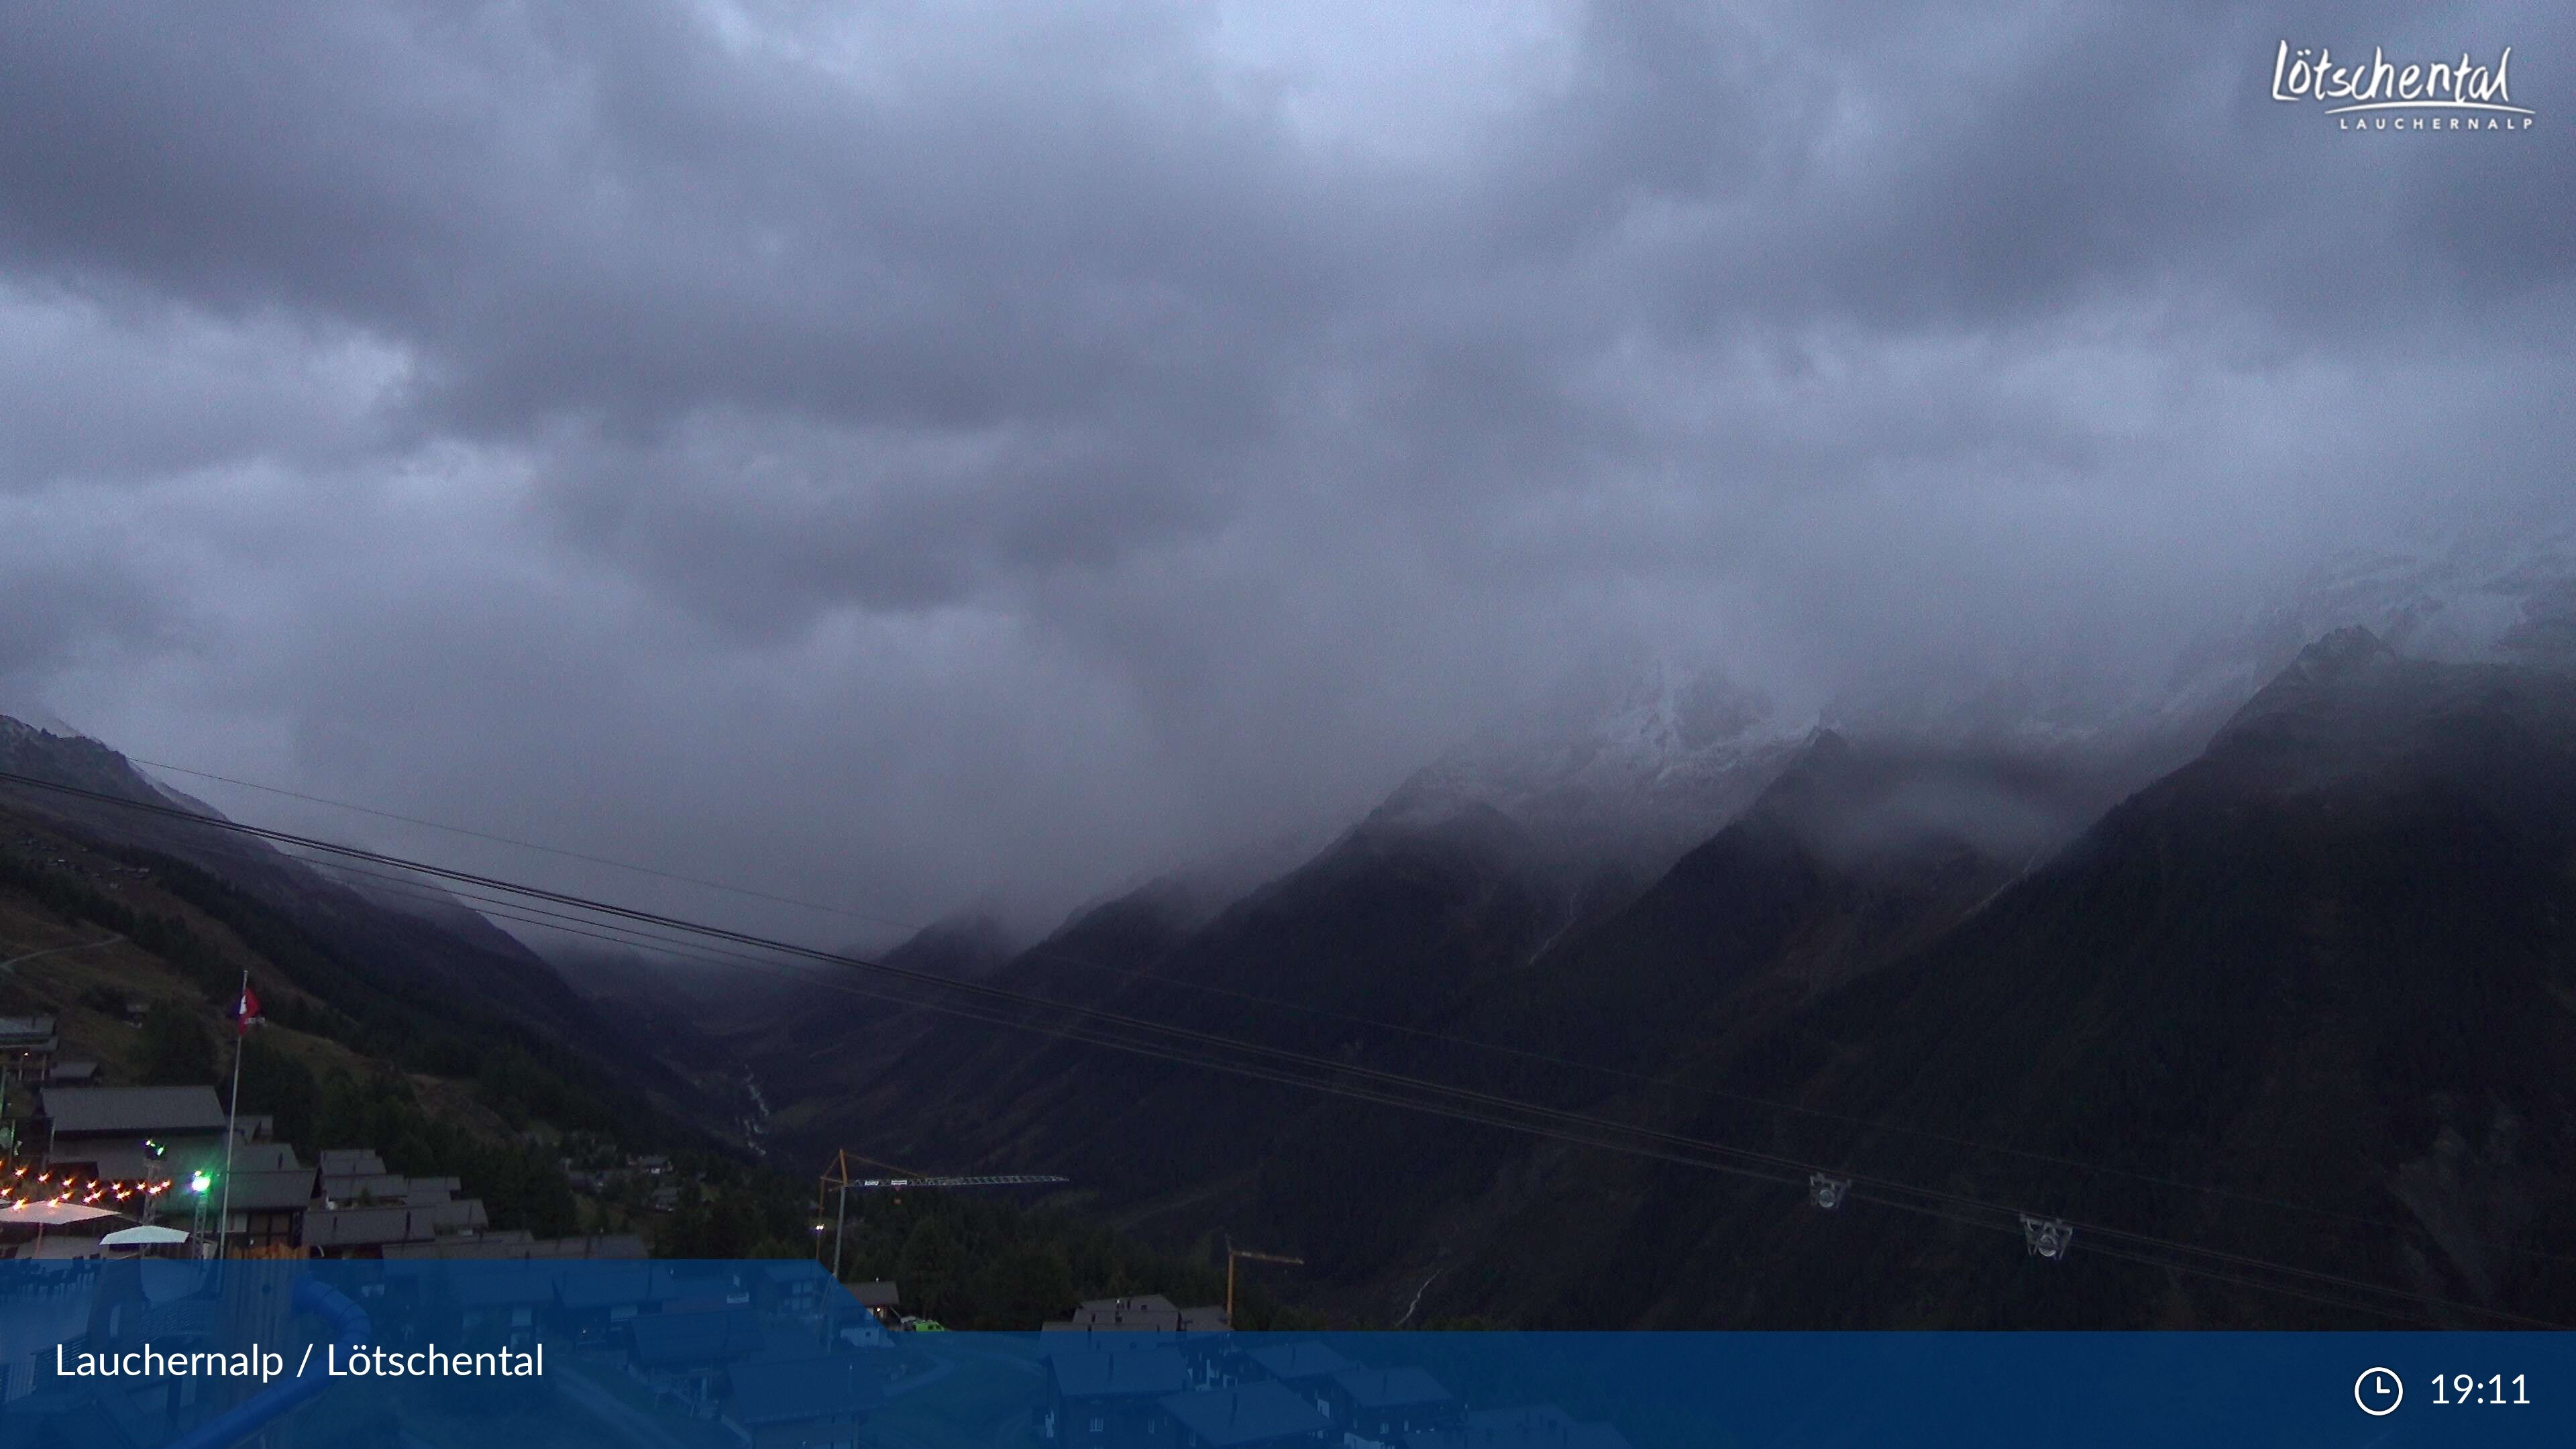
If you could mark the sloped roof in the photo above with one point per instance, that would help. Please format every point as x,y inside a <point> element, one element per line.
<point>608,1287</point>
<point>1139,1303</point>
<point>1293,1361</point>
<point>461,1215</point>
<point>351,1187</point>
<point>488,1287</point>
<point>136,1110</point>
<point>1143,1373</point>
<point>1146,1313</point>
<point>116,1161</point>
<point>786,1391</point>
<point>267,1157</point>
<point>1255,1413</point>
<point>617,1284</point>
<point>518,1244</point>
<point>361,1227</point>
<point>270,1191</point>
<point>692,1340</point>
<point>1395,1388</point>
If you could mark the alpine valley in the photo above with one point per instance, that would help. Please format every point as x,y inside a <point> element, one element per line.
<point>2262,980</point>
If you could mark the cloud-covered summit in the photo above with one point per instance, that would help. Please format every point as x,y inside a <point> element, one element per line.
<point>923,454</point>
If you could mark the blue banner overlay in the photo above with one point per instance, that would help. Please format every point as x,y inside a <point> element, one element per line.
<point>152,1352</point>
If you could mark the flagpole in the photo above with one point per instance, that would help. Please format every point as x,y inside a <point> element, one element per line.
<point>232,1118</point>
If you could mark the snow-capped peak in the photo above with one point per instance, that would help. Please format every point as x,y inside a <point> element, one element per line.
<point>1641,762</point>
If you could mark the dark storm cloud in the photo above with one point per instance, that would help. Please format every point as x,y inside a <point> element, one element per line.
<point>613,216</point>
<point>915,453</point>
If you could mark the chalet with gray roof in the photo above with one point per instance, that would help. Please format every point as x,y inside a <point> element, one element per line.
<point>1260,1415</point>
<point>800,1403</point>
<point>1387,1404</point>
<point>1099,1398</point>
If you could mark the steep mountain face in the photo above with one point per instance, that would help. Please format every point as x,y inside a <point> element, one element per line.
<point>968,948</point>
<point>1614,774</point>
<point>2275,963</point>
<point>641,998</point>
<point>826,1040</point>
<point>2325,964</point>
<point>2494,599</point>
<point>816,1033</point>
<point>2327,969</point>
<point>1397,924</point>
<point>1421,946</point>
<point>1428,915</point>
<point>1851,856</point>
<point>2501,595</point>
<point>417,943</point>
<point>1467,872</point>
<point>398,941</point>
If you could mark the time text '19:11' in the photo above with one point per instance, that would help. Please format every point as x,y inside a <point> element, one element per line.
<point>2470,1389</point>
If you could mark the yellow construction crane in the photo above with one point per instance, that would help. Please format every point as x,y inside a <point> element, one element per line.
<point>838,1177</point>
<point>1233,1253</point>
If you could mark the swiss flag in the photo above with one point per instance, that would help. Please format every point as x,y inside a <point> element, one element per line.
<point>247,1012</point>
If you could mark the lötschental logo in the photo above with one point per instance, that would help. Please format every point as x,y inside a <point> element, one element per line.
<point>2409,95</point>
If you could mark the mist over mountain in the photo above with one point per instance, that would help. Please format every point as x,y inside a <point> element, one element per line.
<point>408,939</point>
<point>1615,771</point>
<point>2311,954</point>
<point>2324,965</point>
<point>1632,756</point>
<point>1990,578</point>
<point>2321,963</point>
<point>1132,439</point>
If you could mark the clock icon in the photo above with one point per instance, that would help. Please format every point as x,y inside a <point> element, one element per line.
<point>2378,1391</point>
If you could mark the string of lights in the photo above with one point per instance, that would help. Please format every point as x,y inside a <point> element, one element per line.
<point>73,1190</point>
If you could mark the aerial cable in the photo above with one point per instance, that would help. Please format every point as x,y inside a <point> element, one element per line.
<point>1121,1032</point>
<point>1983,1215</point>
<point>1352,1018</point>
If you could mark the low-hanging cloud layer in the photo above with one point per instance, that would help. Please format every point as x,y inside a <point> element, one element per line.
<point>907,455</point>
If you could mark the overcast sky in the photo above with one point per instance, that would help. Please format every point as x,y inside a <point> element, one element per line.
<point>911,454</point>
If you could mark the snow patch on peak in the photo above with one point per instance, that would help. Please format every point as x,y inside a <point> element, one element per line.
<point>1635,765</point>
<point>2498,598</point>
<point>2342,652</point>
